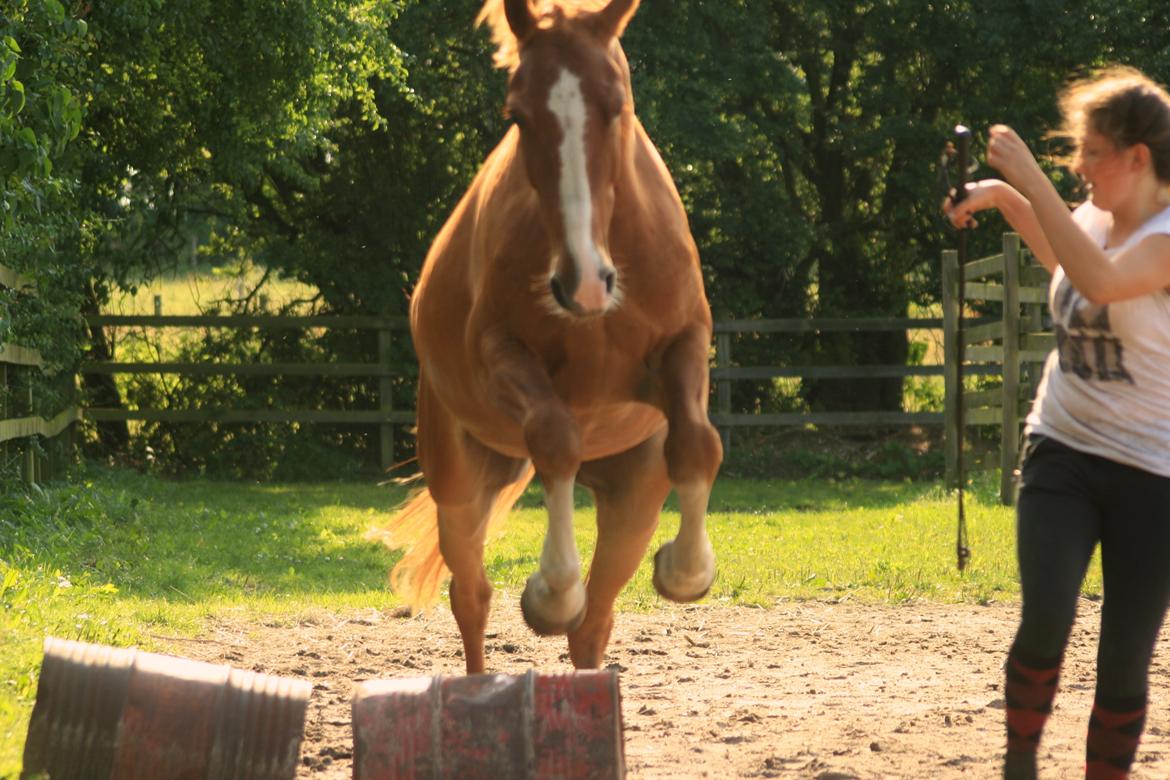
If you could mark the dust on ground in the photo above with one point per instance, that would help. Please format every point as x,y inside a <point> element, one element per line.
<point>824,691</point>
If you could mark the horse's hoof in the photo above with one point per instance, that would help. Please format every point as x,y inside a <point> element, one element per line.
<point>683,592</point>
<point>567,613</point>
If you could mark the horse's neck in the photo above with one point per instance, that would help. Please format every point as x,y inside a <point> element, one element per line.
<point>504,188</point>
<point>645,186</point>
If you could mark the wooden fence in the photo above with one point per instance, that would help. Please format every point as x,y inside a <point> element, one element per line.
<point>382,369</point>
<point>19,423</point>
<point>1013,345</point>
<point>723,374</point>
<point>1009,278</point>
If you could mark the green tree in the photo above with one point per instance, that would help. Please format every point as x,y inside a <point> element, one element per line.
<point>357,224</point>
<point>805,135</point>
<point>199,115</point>
<point>328,140</point>
<point>42,56</point>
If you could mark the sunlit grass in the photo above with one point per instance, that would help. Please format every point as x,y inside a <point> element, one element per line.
<point>191,291</point>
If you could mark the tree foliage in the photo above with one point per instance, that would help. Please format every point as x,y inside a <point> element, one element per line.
<point>41,51</point>
<point>42,58</point>
<point>328,140</point>
<point>198,116</point>
<point>807,149</point>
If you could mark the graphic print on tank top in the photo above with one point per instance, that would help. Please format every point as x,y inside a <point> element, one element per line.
<point>1085,340</point>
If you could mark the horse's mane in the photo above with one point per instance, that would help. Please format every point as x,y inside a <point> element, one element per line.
<point>547,13</point>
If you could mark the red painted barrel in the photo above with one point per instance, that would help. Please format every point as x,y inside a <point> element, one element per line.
<point>121,714</point>
<point>531,726</point>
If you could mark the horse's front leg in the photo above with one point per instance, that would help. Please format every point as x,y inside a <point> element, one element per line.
<point>630,488</point>
<point>685,567</point>
<point>553,601</point>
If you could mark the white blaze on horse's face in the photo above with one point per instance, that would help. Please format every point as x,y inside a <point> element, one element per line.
<point>588,262</point>
<point>582,280</point>
<point>567,97</point>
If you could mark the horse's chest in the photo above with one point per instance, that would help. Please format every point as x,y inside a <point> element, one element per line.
<point>584,377</point>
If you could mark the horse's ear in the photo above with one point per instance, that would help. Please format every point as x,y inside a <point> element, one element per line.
<point>611,20</point>
<point>520,18</point>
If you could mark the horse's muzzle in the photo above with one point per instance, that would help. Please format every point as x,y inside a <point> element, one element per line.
<point>591,297</point>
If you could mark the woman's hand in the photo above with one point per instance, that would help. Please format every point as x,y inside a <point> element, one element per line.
<point>1008,154</point>
<point>981,195</point>
<point>1013,196</point>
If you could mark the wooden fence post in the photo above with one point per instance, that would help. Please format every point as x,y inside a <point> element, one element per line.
<point>952,307</point>
<point>723,360</point>
<point>1031,322</point>
<point>385,397</point>
<point>1010,369</point>
<point>30,453</point>
<point>4,448</point>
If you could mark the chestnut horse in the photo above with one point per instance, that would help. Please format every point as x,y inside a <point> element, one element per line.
<point>561,328</point>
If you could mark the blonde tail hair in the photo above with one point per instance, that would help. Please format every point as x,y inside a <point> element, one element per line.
<point>419,573</point>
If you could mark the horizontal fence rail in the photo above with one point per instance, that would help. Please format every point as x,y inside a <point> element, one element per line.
<point>384,370</point>
<point>12,280</point>
<point>827,325</point>
<point>266,321</point>
<point>353,416</point>
<point>20,356</point>
<point>25,427</point>
<point>246,369</point>
<point>723,372</point>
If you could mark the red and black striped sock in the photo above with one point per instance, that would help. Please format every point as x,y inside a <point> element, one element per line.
<point>1115,729</point>
<point>1029,691</point>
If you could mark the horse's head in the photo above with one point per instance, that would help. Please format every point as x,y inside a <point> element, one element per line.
<point>568,92</point>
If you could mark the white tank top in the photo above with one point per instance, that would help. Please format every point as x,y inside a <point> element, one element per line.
<point>1106,386</point>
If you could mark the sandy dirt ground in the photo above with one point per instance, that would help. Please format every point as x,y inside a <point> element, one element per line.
<point>801,690</point>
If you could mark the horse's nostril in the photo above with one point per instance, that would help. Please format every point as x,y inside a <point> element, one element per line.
<point>609,277</point>
<point>558,292</point>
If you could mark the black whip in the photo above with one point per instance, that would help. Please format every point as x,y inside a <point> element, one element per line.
<point>962,153</point>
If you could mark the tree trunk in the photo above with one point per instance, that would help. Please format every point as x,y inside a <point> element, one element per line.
<point>847,290</point>
<point>100,390</point>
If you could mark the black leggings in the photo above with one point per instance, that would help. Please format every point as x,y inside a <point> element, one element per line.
<point>1068,502</point>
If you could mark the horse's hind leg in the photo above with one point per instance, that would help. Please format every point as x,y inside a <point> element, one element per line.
<point>461,537</point>
<point>629,489</point>
<point>685,567</point>
<point>464,477</point>
<point>462,529</point>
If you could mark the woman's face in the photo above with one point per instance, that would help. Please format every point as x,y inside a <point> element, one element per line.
<point>1103,169</point>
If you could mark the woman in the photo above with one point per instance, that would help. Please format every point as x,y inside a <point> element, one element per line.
<point>1096,466</point>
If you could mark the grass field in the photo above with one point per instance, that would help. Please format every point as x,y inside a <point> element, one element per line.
<point>119,558</point>
<point>195,291</point>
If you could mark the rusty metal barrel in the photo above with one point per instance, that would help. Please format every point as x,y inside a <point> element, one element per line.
<point>121,714</point>
<point>490,726</point>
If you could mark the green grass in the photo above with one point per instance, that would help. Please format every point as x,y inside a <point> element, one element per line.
<point>193,291</point>
<point>119,558</point>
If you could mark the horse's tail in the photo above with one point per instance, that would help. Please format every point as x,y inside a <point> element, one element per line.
<point>419,573</point>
